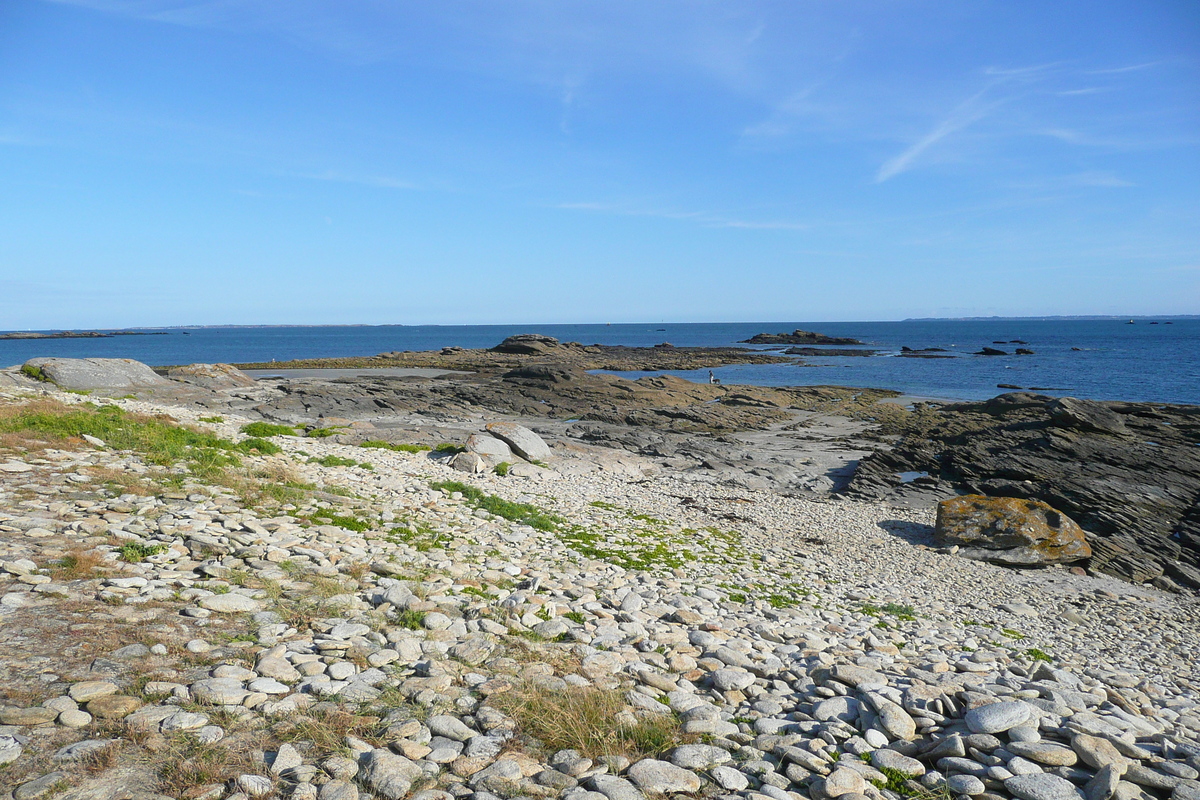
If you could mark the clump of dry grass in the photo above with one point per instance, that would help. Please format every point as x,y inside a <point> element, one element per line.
<point>78,564</point>
<point>591,720</point>
<point>186,764</point>
<point>324,731</point>
<point>126,482</point>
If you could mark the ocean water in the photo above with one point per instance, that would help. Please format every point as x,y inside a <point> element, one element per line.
<point>1096,359</point>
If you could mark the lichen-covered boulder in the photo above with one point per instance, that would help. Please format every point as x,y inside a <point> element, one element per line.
<point>1010,530</point>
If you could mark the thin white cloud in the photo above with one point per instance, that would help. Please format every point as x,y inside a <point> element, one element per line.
<point>1121,70</point>
<point>377,181</point>
<point>704,218</point>
<point>965,114</point>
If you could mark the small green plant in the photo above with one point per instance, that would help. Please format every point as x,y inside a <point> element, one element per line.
<point>604,505</point>
<point>350,523</point>
<point>521,513</point>
<point>399,448</point>
<point>412,620</point>
<point>1038,655</point>
<point>575,616</point>
<point>213,420</point>
<point>897,782</point>
<point>324,433</point>
<point>267,429</point>
<point>135,552</point>
<point>502,468</point>
<point>34,372</point>
<point>262,446</point>
<point>449,447</point>
<point>737,597</point>
<point>1012,634</point>
<point>334,461</point>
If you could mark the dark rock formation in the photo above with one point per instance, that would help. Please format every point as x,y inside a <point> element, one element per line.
<point>798,337</point>
<point>528,344</point>
<point>990,351</point>
<point>1010,531</point>
<point>1128,473</point>
<point>827,351</point>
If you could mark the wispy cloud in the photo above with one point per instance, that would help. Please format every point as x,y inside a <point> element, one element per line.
<point>1120,70</point>
<point>704,218</point>
<point>377,181</point>
<point>965,114</point>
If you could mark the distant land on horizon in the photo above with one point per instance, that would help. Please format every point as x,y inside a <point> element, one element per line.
<point>1043,318</point>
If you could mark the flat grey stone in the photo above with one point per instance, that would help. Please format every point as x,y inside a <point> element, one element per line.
<point>1041,787</point>
<point>653,775</point>
<point>998,717</point>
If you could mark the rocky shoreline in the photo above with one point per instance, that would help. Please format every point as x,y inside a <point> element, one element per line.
<point>316,618</point>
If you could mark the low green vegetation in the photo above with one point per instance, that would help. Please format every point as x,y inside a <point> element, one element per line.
<point>135,552</point>
<point>449,447</point>
<point>521,513</point>
<point>1038,655</point>
<point>399,448</point>
<point>338,461</point>
<point>348,522</point>
<point>268,429</point>
<point>502,468</point>
<point>213,420</point>
<point>324,433</point>
<point>34,372</point>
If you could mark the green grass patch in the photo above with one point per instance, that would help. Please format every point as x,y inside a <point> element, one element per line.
<point>350,523</point>
<point>399,448</point>
<point>325,433</point>
<point>213,420</point>
<point>34,372</point>
<point>135,552</point>
<point>449,447</point>
<point>502,468</point>
<point>521,513</point>
<point>1012,634</point>
<point>261,429</point>
<point>338,461</point>
<point>1038,655</point>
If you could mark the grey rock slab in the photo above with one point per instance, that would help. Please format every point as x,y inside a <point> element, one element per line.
<point>76,751</point>
<point>1041,787</point>
<point>389,775</point>
<point>730,779</point>
<point>890,759</point>
<point>732,678</point>
<point>840,708</point>
<point>1103,784</point>
<point>230,603</point>
<point>89,690</point>
<point>895,721</point>
<point>98,373</point>
<point>338,790</point>
<point>653,775</point>
<point>38,787</point>
<point>523,441</point>
<point>219,691</point>
<point>450,727</point>
<point>844,780</point>
<point>615,788</point>
<point>698,756</point>
<point>1054,755</point>
<point>998,717</point>
<point>1097,752</point>
<point>965,784</point>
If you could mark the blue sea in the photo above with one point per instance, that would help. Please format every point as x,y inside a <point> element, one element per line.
<point>1096,359</point>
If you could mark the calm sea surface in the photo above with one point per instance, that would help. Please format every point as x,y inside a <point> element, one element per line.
<point>1103,360</point>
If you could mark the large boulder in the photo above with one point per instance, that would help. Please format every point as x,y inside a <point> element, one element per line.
<point>524,442</point>
<point>1010,530</point>
<point>211,376</point>
<point>526,344</point>
<point>83,374</point>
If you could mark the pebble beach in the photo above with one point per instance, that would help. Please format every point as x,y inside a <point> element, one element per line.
<point>795,647</point>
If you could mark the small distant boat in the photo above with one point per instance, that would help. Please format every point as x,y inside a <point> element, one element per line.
<point>1131,322</point>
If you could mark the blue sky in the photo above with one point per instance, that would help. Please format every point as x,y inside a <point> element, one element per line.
<point>380,161</point>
